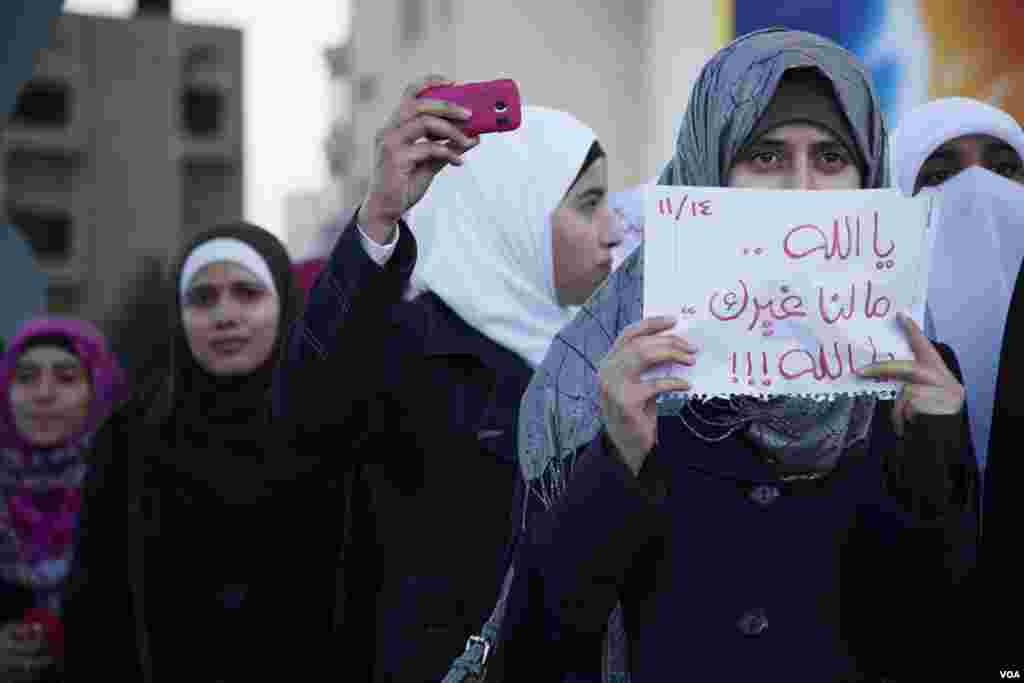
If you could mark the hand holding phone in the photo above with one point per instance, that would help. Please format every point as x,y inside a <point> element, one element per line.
<point>496,105</point>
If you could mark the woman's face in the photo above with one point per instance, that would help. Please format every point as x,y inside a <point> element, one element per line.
<point>796,156</point>
<point>583,234</point>
<point>50,395</point>
<point>966,151</point>
<point>230,319</point>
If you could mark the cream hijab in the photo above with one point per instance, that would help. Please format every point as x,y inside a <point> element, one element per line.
<point>484,231</point>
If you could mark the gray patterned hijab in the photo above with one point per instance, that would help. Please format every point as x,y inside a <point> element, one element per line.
<point>560,411</point>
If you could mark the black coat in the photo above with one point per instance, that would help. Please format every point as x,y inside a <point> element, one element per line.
<point>431,434</point>
<point>146,597</point>
<point>194,547</point>
<point>1000,591</point>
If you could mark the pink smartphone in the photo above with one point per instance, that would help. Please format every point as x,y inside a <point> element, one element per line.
<point>495,105</point>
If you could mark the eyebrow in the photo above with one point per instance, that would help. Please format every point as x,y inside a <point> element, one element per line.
<point>59,365</point>
<point>999,147</point>
<point>944,153</point>
<point>769,143</point>
<point>592,193</point>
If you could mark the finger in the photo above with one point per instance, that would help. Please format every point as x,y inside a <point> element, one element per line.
<point>428,81</point>
<point>640,363</point>
<point>442,108</point>
<point>664,385</point>
<point>423,152</point>
<point>645,327</point>
<point>668,343</point>
<point>432,126</point>
<point>908,371</point>
<point>406,108</point>
<point>924,351</point>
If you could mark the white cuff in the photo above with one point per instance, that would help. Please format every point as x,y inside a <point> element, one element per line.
<point>380,253</point>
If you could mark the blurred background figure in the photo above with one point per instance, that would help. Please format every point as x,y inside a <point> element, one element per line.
<point>186,482</point>
<point>58,384</point>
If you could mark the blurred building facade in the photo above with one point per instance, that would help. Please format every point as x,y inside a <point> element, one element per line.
<point>127,141</point>
<point>308,215</point>
<point>626,68</point>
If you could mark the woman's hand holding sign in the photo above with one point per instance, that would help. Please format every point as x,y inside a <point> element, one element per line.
<point>629,403</point>
<point>930,387</point>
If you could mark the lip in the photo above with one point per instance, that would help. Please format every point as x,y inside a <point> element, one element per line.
<point>229,345</point>
<point>44,418</point>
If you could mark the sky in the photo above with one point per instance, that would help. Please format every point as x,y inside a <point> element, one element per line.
<point>286,89</point>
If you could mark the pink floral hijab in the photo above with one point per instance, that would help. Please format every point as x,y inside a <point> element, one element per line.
<point>40,488</point>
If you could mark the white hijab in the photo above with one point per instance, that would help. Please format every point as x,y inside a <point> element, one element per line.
<point>978,248</point>
<point>484,231</point>
<point>926,128</point>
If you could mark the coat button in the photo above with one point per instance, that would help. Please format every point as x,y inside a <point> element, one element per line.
<point>764,494</point>
<point>753,623</point>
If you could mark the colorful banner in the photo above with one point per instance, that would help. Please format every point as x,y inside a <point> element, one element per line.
<point>917,50</point>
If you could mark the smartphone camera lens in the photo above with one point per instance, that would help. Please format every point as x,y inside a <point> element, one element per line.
<point>500,106</point>
<point>503,121</point>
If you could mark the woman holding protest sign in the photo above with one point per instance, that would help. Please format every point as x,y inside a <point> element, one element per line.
<point>743,538</point>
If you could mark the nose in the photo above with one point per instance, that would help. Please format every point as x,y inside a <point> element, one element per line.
<point>46,390</point>
<point>227,313</point>
<point>613,227</point>
<point>803,176</point>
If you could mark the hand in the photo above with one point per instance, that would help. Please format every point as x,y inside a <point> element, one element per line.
<point>408,153</point>
<point>22,655</point>
<point>629,404</point>
<point>930,388</point>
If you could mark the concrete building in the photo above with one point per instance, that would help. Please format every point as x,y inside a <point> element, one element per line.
<point>126,142</point>
<point>624,68</point>
<point>309,214</point>
<point>306,216</point>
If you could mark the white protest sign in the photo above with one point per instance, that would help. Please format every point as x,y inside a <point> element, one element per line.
<point>786,292</point>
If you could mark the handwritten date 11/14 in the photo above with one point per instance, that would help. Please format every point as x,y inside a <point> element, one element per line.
<point>666,207</point>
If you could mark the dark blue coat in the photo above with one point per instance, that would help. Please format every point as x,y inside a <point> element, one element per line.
<point>727,573</point>
<point>429,427</point>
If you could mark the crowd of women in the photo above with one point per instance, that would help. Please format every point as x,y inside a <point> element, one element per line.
<point>442,462</point>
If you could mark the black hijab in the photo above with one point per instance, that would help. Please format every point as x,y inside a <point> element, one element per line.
<point>219,426</point>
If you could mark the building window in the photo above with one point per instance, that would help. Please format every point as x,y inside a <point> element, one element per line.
<point>201,58</point>
<point>447,12</point>
<point>367,88</point>
<point>43,103</point>
<point>413,21</point>
<point>339,61</point>
<point>202,111</point>
<point>157,8</point>
<point>48,231</point>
